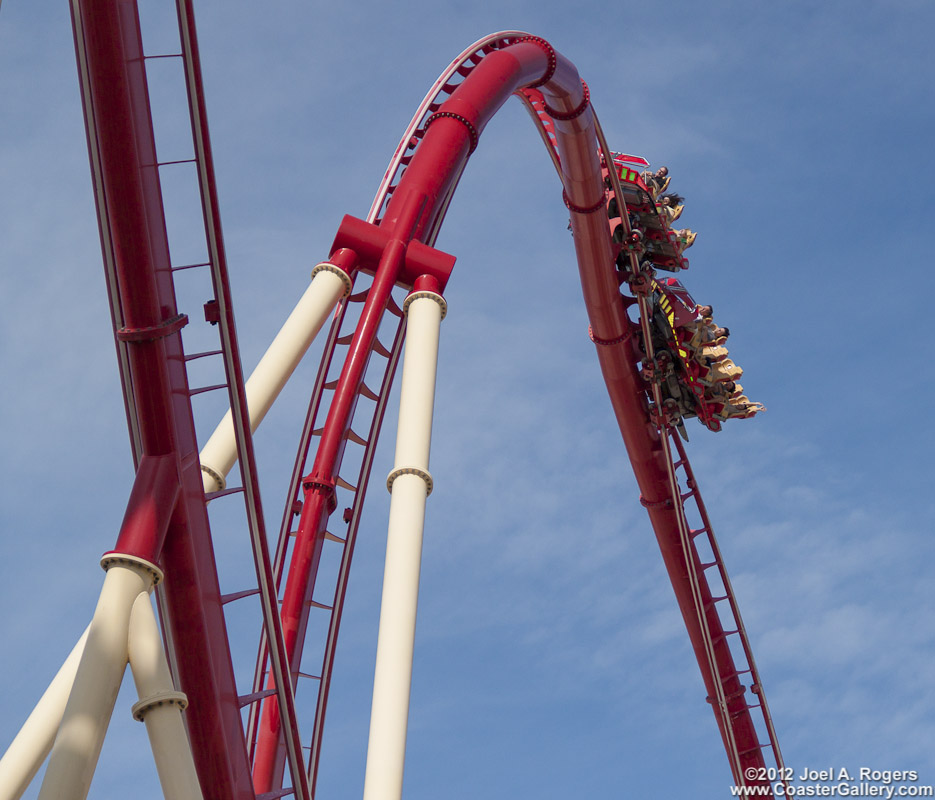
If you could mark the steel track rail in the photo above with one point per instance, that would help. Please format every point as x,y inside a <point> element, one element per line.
<point>726,720</point>
<point>272,628</point>
<point>723,718</point>
<point>271,571</point>
<point>412,137</point>
<point>136,261</point>
<point>443,88</point>
<point>757,685</point>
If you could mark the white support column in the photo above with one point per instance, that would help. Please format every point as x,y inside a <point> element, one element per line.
<point>410,484</point>
<point>100,672</point>
<point>32,744</point>
<point>160,706</point>
<point>329,284</point>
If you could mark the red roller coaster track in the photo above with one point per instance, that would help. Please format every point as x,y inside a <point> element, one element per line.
<point>387,255</point>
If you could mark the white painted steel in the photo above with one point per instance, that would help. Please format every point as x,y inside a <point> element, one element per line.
<point>32,744</point>
<point>100,672</point>
<point>410,484</point>
<point>124,628</point>
<point>160,706</point>
<point>329,284</point>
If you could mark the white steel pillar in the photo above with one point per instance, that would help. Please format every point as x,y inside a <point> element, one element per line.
<point>410,484</point>
<point>91,702</point>
<point>32,744</point>
<point>329,284</point>
<point>160,706</point>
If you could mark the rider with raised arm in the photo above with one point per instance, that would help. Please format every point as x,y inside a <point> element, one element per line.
<point>656,181</point>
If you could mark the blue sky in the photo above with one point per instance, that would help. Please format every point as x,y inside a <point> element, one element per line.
<point>550,659</point>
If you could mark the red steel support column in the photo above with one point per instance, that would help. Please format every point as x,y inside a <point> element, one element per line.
<point>435,164</point>
<point>625,387</point>
<point>136,260</point>
<point>619,360</point>
<point>450,139</point>
<point>319,485</point>
<point>149,510</point>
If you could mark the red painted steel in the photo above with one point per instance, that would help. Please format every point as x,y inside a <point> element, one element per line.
<point>433,170</point>
<point>136,259</point>
<point>655,472</point>
<point>758,700</point>
<point>268,589</point>
<point>147,325</point>
<point>410,214</point>
<point>149,510</point>
<point>319,485</point>
<point>351,515</point>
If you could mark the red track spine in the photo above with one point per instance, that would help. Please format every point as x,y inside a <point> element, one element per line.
<point>136,260</point>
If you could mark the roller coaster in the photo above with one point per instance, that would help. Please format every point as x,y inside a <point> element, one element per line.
<point>382,284</point>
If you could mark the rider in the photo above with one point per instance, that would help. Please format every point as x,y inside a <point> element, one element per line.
<point>671,205</point>
<point>656,181</point>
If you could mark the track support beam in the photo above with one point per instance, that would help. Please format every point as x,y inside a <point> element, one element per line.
<point>410,484</point>
<point>32,744</point>
<point>331,280</point>
<point>123,630</point>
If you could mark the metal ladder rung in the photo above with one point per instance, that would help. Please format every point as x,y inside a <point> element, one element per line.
<point>190,266</point>
<point>311,677</point>
<point>355,438</point>
<point>203,389</point>
<point>247,699</point>
<point>278,793</point>
<point>223,492</point>
<point>378,347</point>
<point>367,392</point>
<point>316,604</point>
<point>332,538</point>
<point>163,55</point>
<point>180,161</point>
<point>722,636</point>
<point>736,674</point>
<point>204,354</point>
<point>394,309</point>
<point>344,484</point>
<point>229,598</point>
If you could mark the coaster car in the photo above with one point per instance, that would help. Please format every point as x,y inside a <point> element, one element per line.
<point>658,242</point>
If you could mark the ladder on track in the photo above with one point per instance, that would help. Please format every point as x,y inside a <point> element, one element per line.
<point>340,335</point>
<point>703,556</point>
<point>218,313</point>
<point>271,570</point>
<point>729,715</point>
